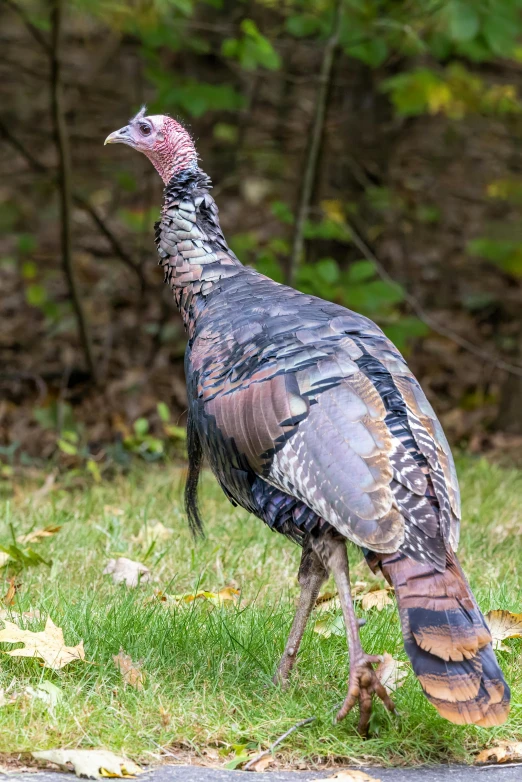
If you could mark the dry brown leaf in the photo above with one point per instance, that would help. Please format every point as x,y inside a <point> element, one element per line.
<point>329,601</point>
<point>39,534</point>
<point>262,764</point>
<point>391,673</point>
<point>127,571</point>
<point>111,510</point>
<point>360,586</point>
<point>502,625</point>
<point>502,752</point>
<point>90,763</point>
<point>165,717</point>
<point>131,672</point>
<point>14,586</point>
<point>350,775</point>
<point>150,533</point>
<point>48,645</point>
<point>377,599</point>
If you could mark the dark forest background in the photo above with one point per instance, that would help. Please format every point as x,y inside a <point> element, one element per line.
<point>367,151</point>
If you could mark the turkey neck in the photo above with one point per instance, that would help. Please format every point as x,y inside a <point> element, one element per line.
<point>192,249</point>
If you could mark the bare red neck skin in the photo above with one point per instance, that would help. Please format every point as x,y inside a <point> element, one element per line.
<point>174,152</point>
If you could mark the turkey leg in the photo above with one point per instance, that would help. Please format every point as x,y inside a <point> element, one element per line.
<point>312,575</point>
<point>363,682</point>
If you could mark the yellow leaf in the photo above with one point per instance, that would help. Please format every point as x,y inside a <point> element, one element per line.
<point>90,763</point>
<point>391,673</point>
<point>502,752</point>
<point>48,645</point>
<point>502,625</point>
<point>333,625</point>
<point>378,599</point>
<point>439,97</point>
<point>350,775</point>
<point>38,534</point>
<point>131,672</point>
<point>225,595</point>
<point>333,210</point>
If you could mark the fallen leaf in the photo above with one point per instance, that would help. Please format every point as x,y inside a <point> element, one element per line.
<point>151,533</point>
<point>131,672</point>
<point>262,764</point>
<point>14,586</point>
<point>47,692</point>
<point>4,558</point>
<point>48,645</point>
<point>328,601</point>
<point>90,763</point>
<point>502,752</point>
<point>360,586</point>
<point>111,510</point>
<point>350,775</point>
<point>333,625</point>
<point>502,625</point>
<point>127,571</point>
<point>226,595</point>
<point>391,673</point>
<point>165,717</point>
<point>39,534</point>
<point>377,599</point>
<point>16,616</point>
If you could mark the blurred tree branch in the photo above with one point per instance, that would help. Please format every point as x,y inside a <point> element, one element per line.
<point>64,185</point>
<point>82,202</point>
<point>33,31</point>
<point>314,144</point>
<point>432,323</point>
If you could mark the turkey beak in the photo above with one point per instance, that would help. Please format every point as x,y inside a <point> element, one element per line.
<point>121,136</point>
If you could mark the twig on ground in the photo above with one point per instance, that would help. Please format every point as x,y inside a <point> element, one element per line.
<point>314,146</point>
<point>278,741</point>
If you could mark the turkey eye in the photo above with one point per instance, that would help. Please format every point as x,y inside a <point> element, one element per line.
<point>145,130</point>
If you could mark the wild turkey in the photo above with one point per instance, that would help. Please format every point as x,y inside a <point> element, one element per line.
<point>310,419</point>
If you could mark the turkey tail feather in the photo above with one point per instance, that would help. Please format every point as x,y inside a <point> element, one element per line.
<point>448,641</point>
<point>195,460</point>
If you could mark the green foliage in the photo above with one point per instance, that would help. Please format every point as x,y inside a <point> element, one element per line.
<point>454,92</point>
<point>506,190</point>
<point>505,253</point>
<point>252,50</point>
<point>35,295</point>
<point>189,96</point>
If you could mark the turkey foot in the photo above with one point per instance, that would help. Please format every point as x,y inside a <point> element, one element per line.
<point>363,683</point>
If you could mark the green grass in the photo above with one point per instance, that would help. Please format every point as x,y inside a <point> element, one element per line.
<point>208,668</point>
